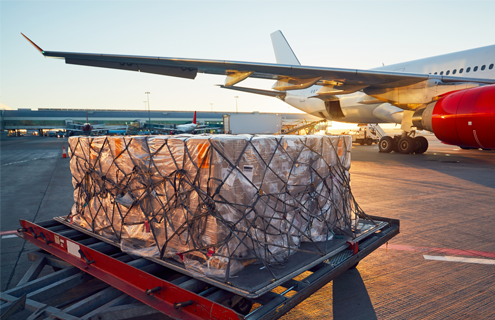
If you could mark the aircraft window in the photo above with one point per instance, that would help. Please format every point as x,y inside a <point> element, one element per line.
<point>461,70</point>
<point>475,69</point>
<point>483,67</point>
<point>435,72</point>
<point>454,71</point>
<point>491,66</point>
<point>441,72</point>
<point>468,69</point>
<point>447,73</point>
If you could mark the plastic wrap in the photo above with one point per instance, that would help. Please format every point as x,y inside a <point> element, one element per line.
<point>213,202</point>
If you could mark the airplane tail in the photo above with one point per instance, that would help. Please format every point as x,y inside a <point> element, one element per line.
<point>283,51</point>
<point>194,119</point>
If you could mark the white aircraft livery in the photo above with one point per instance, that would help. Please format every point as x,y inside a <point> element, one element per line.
<point>188,127</point>
<point>451,95</point>
<point>194,127</point>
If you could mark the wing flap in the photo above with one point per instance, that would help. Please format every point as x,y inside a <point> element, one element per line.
<point>270,93</point>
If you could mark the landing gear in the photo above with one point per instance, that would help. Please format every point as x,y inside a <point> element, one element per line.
<point>404,144</point>
<point>421,145</point>
<point>386,144</point>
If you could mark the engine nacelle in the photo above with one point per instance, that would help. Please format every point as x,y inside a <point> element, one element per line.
<point>464,118</point>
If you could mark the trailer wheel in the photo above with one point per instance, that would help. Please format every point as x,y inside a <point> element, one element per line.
<point>243,306</point>
<point>369,141</point>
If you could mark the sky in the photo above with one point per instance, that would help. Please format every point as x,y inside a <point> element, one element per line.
<point>343,34</point>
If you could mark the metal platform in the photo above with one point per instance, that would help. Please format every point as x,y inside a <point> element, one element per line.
<point>133,279</point>
<point>266,278</point>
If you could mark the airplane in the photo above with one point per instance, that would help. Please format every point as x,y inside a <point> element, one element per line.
<point>193,127</point>
<point>87,128</point>
<point>188,127</point>
<point>451,95</point>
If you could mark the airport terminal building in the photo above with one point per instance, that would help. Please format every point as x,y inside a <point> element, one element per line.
<point>50,119</point>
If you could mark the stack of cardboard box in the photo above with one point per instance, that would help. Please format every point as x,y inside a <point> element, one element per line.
<point>213,202</point>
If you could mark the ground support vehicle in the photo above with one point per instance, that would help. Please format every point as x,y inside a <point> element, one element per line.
<point>126,286</point>
<point>367,134</point>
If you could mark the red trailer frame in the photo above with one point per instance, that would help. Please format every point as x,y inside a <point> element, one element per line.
<point>153,291</point>
<point>179,296</point>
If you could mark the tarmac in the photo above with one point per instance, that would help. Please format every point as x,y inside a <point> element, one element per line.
<point>441,265</point>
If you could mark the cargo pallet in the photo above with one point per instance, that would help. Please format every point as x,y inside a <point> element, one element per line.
<point>127,286</point>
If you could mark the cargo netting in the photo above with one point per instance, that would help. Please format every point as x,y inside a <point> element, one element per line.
<point>215,203</point>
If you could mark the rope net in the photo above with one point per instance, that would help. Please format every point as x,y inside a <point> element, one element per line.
<point>214,202</point>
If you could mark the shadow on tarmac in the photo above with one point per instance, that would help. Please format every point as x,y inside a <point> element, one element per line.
<point>350,297</point>
<point>440,158</point>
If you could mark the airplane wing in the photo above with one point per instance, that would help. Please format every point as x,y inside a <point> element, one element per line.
<point>289,77</point>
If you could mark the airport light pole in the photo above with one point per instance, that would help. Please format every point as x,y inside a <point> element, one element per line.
<point>236,97</point>
<point>211,104</point>
<point>149,111</point>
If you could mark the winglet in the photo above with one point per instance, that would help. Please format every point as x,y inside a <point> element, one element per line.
<point>34,44</point>
<point>194,119</point>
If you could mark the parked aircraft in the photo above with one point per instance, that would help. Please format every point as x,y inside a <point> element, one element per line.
<point>188,127</point>
<point>451,95</point>
<point>88,129</point>
<point>193,127</point>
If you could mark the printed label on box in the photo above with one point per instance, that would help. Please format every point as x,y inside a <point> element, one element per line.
<point>248,172</point>
<point>289,143</point>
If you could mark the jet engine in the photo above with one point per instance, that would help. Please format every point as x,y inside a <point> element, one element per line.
<point>465,118</point>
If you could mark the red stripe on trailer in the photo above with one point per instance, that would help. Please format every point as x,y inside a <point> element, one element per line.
<point>126,278</point>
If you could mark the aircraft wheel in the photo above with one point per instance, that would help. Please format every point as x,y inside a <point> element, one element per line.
<point>421,145</point>
<point>386,144</point>
<point>406,145</point>
<point>369,141</point>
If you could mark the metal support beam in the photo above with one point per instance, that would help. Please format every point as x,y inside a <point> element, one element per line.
<point>10,308</point>
<point>33,271</point>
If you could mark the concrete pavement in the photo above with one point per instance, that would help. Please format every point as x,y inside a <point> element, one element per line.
<point>35,185</point>
<point>445,200</point>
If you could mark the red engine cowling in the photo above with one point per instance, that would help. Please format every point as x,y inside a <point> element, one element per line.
<point>466,118</point>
